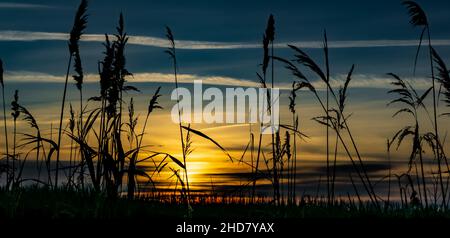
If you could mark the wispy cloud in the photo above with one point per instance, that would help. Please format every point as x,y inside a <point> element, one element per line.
<point>205,45</point>
<point>358,81</point>
<point>146,77</point>
<point>372,81</point>
<point>13,5</point>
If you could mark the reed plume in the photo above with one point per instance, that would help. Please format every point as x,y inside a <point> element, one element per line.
<point>418,18</point>
<point>132,121</point>
<point>293,165</point>
<point>121,73</point>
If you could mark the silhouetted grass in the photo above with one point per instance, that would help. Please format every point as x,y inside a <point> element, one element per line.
<point>79,25</point>
<point>418,18</point>
<point>171,51</point>
<point>4,168</point>
<point>411,102</point>
<point>303,59</point>
<point>15,157</point>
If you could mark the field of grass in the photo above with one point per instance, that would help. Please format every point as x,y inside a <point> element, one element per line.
<point>41,203</point>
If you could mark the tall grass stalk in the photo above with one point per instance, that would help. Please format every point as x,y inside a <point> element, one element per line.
<point>267,38</point>
<point>268,45</point>
<point>418,18</point>
<point>411,102</point>
<point>2,83</point>
<point>78,77</point>
<point>261,125</point>
<point>108,93</point>
<point>388,149</point>
<point>153,104</point>
<point>339,125</point>
<point>72,128</point>
<point>270,35</point>
<point>171,51</point>
<point>293,166</point>
<point>327,69</point>
<point>15,114</point>
<point>75,34</point>
<point>443,77</point>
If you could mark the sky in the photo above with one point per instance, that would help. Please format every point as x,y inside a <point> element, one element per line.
<point>229,25</point>
<point>220,43</point>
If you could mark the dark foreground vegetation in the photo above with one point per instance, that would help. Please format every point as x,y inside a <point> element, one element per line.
<point>38,203</point>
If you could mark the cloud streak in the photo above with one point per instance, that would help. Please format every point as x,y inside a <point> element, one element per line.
<point>207,45</point>
<point>12,5</point>
<point>359,80</point>
<point>145,77</point>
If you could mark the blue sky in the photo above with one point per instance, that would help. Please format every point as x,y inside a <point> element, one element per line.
<point>229,22</point>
